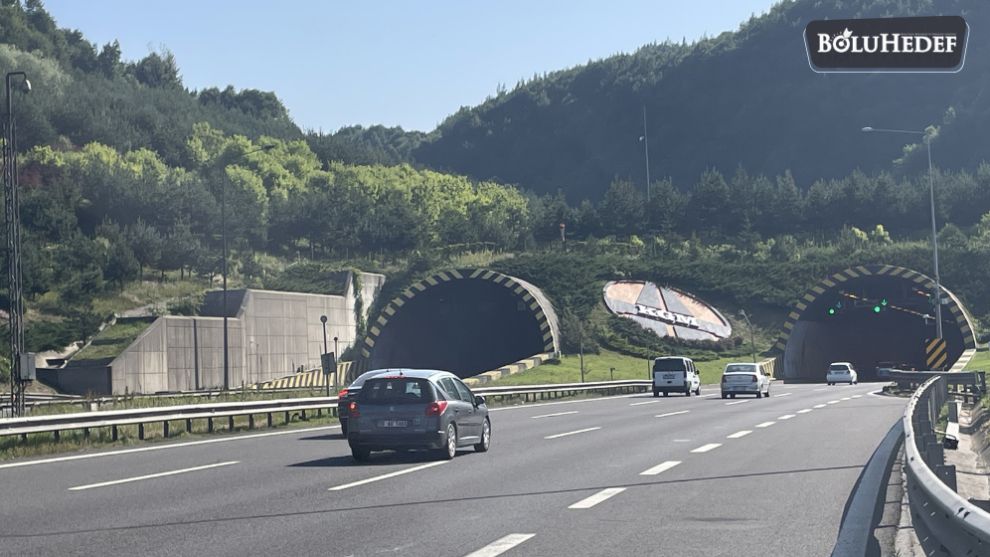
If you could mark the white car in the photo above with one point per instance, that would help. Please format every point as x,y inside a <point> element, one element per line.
<point>675,374</point>
<point>745,379</point>
<point>841,372</point>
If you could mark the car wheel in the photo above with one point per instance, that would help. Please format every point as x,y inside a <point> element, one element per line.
<point>698,390</point>
<point>343,428</point>
<point>450,449</point>
<point>359,454</point>
<point>768,392</point>
<point>656,393</point>
<point>759,394</point>
<point>732,395</point>
<point>486,437</point>
<point>687,392</point>
<point>851,383</point>
<point>665,393</point>
<point>724,396</point>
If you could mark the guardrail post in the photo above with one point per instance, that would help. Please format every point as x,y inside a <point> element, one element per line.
<point>141,432</point>
<point>58,435</point>
<point>209,425</point>
<point>946,473</point>
<point>86,432</point>
<point>269,419</point>
<point>113,433</point>
<point>230,423</point>
<point>250,421</point>
<point>165,429</point>
<point>188,426</point>
<point>287,418</point>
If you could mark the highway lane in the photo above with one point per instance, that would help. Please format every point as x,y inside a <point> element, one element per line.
<point>781,487</point>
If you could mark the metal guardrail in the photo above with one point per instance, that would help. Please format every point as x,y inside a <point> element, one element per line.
<point>961,527</point>
<point>114,419</point>
<point>974,383</point>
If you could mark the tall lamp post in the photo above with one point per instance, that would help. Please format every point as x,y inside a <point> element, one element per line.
<point>752,338</point>
<point>645,138</point>
<point>336,354</point>
<point>223,232</point>
<point>931,187</point>
<point>13,216</point>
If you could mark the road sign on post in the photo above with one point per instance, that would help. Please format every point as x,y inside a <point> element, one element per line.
<point>27,367</point>
<point>328,361</point>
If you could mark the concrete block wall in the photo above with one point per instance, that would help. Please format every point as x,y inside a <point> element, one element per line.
<point>272,335</point>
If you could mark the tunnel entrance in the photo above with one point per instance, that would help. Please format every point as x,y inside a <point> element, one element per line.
<point>868,315</point>
<point>466,321</point>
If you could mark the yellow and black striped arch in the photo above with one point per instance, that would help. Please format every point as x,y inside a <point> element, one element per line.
<point>797,311</point>
<point>537,303</point>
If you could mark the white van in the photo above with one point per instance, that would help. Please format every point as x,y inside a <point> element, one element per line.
<point>675,374</point>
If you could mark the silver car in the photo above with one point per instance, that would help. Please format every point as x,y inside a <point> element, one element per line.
<point>745,378</point>
<point>424,409</point>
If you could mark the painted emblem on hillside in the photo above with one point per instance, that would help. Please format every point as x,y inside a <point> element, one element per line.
<point>666,311</point>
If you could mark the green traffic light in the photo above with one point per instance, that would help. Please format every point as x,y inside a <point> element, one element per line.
<point>876,309</point>
<point>831,311</point>
<point>883,302</point>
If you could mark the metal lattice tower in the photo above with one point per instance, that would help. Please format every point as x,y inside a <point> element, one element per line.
<point>14,269</point>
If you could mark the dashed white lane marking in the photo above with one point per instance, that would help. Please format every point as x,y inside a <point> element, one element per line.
<point>389,475</point>
<point>671,414</point>
<point>832,402</point>
<point>765,424</point>
<point>739,434</point>
<point>555,414</point>
<point>846,398</point>
<point>660,468</point>
<point>804,411</point>
<point>737,402</point>
<point>597,498</point>
<point>642,403</point>
<point>786,416</point>
<point>783,394</point>
<point>710,396</point>
<point>819,406</point>
<point>857,396</point>
<point>706,448</point>
<point>582,401</point>
<point>500,545</point>
<point>559,435</point>
<point>164,447</point>
<point>822,389</point>
<point>153,476</point>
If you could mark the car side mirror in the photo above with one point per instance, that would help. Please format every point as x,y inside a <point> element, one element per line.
<point>479,400</point>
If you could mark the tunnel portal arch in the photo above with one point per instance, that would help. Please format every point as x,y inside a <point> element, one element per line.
<point>467,321</point>
<point>837,320</point>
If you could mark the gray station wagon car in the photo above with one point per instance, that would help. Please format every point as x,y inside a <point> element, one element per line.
<point>417,409</point>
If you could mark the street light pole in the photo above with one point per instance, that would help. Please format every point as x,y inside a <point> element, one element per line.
<point>14,269</point>
<point>223,233</point>
<point>752,338</point>
<point>931,192</point>
<point>646,150</point>
<point>336,355</point>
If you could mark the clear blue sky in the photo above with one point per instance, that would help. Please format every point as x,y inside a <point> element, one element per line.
<point>408,63</point>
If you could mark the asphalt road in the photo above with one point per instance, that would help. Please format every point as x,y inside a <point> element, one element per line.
<point>627,475</point>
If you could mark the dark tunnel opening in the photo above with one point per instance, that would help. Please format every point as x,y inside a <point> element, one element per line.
<point>866,321</point>
<point>464,326</point>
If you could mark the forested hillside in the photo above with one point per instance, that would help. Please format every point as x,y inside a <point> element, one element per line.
<point>743,98</point>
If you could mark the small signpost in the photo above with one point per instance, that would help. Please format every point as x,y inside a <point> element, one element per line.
<point>328,361</point>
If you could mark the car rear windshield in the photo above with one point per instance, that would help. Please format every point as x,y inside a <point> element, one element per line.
<point>838,367</point>
<point>397,390</point>
<point>740,368</point>
<point>675,364</point>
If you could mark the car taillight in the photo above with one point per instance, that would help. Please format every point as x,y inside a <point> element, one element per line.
<point>352,410</point>
<point>725,379</point>
<point>342,393</point>
<point>436,408</point>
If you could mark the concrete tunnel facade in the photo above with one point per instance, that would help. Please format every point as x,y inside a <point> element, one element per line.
<point>466,321</point>
<point>838,320</point>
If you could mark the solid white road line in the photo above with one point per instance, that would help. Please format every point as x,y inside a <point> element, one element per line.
<point>164,447</point>
<point>804,411</point>
<point>738,402</point>
<point>554,415</point>
<point>583,400</point>
<point>642,403</point>
<point>153,476</point>
<point>739,434</point>
<point>597,498</point>
<point>786,416</point>
<point>819,406</point>
<point>671,414</point>
<point>559,435</point>
<point>389,475</point>
<point>784,394</point>
<point>501,545</point>
<point>662,467</point>
<point>832,402</point>
<point>765,424</point>
<point>706,448</point>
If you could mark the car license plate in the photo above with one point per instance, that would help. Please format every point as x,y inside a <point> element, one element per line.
<point>668,376</point>
<point>394,423</point>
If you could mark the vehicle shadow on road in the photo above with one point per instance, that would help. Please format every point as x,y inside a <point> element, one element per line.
<point>385,458</point>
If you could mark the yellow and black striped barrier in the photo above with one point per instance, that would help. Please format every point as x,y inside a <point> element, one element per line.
<point>936,353</point>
